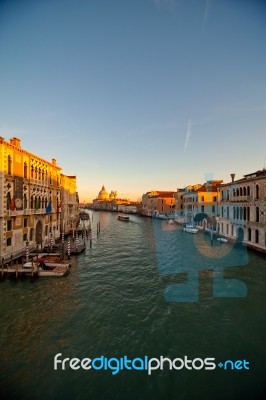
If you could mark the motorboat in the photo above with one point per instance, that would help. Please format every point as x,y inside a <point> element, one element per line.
<point>190,228</point>
<point>76,249</point>
<point>170,221</point>
<point>222,239</point>
<point>123,218</point>
<point>54,271</point>
<point>51,261</point>
<point>44,270</point>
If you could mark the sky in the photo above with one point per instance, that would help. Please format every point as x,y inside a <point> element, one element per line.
<point>136,95</point>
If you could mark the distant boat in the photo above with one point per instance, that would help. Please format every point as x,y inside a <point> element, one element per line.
<point>170,221</point>
<point>222,239</point>
<point>190,228</point>
<point>123,218</point>
<point>76,249</point>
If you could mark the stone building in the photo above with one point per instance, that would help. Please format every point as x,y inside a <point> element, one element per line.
<point>158,202</point>
<point>202,199</point>
<point>31,190</point>
<point>243,209</point>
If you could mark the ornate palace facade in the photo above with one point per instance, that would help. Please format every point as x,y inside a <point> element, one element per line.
<point>36,200</point>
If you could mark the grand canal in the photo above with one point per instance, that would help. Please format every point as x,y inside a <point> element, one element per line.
<point>112,304</point>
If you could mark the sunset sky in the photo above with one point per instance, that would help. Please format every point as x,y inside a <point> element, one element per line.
<point>136,95</point>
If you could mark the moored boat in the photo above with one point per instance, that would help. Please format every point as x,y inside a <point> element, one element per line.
<point>123,218</point>
<point>43,270</point>
<point>222,239</point>
<point>190,228</point>
<point>54,271</point>
<point>53,262</point>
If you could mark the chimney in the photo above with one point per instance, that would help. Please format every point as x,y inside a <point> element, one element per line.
<point>233,177</point>
<point>53,162</point>
<point>15,142</point>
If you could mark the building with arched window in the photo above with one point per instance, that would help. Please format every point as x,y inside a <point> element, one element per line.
<point>31,192</point>
<point>246,201</point>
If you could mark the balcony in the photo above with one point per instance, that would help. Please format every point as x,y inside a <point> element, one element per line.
<point>26,211</point>
<point>14,213</point>
<point>239,199</point>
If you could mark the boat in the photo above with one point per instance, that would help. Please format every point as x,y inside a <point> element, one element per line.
<point>49,261</point>
<point>54,271</point>
<point>76,249</point>
<point>222,239</point>
<point>44,270</point>
<point>170,221</point>
<point>190,228</point>
<point>123,218</point>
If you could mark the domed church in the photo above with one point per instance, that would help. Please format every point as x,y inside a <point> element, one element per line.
<point>103,195</point>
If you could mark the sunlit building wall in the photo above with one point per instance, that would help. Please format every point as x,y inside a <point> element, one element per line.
<point>30,199</point>
<point>242,209</point>
<point>158,202</point>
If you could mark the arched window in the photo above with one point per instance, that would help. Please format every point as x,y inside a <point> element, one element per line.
<point>241,191</point>
<point>25,201</point>
<point>8,201</point>
<point>234,213</point>
<point>241,213</point>
<point>256,236</point>
<point>249,234</point>
<point>32,172</point>
<point>248,213</point>
<point>257,214</point>
<point>245,213</point>
<point>31,202</point>
<point>248,190</point>
<point>245,191</point>
<point>9,165</point>
<point>31,234</point>
<point>257,191</point>
<point>25,170</point>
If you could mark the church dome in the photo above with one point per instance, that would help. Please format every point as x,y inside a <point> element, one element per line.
<point>103,195</point>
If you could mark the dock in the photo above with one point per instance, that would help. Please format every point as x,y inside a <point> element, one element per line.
<point>18,270</point>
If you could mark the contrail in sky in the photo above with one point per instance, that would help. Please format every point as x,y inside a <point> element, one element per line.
<point>188,134</point>
<point>206,12</point>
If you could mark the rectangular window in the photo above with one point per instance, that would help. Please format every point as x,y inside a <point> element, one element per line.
<point>8,241</point>
<point>213,209</point>
<point>214,198</point>
<point>202,208</point>
<point>202,198</point>
<point>25,222</point>
<point>257,214</point>
<point>25,237</point>
<point>9,225</point>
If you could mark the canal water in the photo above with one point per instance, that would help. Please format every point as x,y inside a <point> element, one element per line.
<point>116,302</point>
